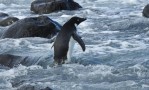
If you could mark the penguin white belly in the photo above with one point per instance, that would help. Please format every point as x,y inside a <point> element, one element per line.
<point>70,49</point>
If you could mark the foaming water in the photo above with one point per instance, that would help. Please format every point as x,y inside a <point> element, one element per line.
<point>116,56</point>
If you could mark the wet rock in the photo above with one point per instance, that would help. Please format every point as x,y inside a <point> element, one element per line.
<point>30,87</point>
<point>47,88</point>
<point>8,21</point>
<point>20,85</point>
<point>41,26</point>
<point>3,15</point>
<point>9,60</point>
<point>49,6</point>
<point>145,12</point>
<point>27,87</point>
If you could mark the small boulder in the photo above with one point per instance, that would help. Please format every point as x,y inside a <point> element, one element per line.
<point>49,6</point>
<point>8,21</point>
<point>31,87</point>
<point>47,88</point>
<point>3,15</point>
<point>145,12</point>
<point>27,87</point>
<point>9,60</point>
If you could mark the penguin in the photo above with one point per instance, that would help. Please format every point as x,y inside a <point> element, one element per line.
<point>65,40</point>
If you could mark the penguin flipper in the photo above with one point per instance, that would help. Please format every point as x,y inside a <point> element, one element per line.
<point>79,40</point>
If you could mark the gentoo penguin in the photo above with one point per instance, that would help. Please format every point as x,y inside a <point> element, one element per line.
<point>65,39</point>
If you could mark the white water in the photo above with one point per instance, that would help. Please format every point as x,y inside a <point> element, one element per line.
<point>116,57</point>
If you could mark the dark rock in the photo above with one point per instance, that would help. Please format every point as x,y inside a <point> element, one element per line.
<point>49,6</point>
<point>27,87</point>
<point>8,21</point>
<point>30,87</point>
<point>20,85</point>
<point>9,60</point>
<point>41,26</point>
<point>3,15</point>
<point>145,12</point>
<point>47,88</point>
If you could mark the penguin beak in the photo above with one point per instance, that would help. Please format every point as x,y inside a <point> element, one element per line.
<point>81,20</point>
<point>85,19</point>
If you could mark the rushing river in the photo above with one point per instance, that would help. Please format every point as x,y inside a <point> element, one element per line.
<point>117,49</point>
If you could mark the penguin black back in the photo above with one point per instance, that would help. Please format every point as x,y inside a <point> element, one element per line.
<point>61,43</point>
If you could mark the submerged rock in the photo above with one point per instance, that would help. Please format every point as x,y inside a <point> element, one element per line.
<point>49,6</point>
<point>30,87</point>
<point>3,15</point>
<point>41,26</point>
<point>47,88</point>
<point>27,87</point>
<point>145,12</point>
<point>9,60</point>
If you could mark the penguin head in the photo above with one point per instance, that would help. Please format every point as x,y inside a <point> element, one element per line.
<point>77,20</point>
